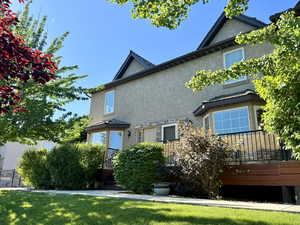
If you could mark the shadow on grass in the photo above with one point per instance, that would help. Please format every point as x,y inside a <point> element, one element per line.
<point>23,208</point>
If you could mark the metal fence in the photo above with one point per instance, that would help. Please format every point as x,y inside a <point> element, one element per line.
<point>10,178</point>
<point>247,147</point>
<point>256,145</point>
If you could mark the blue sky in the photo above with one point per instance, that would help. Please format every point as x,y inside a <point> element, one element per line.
<point>102,34</point>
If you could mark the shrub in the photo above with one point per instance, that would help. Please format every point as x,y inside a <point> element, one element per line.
<point>200,160</point>
<point>73,166</point>
<point>135,167</point>
<point>67,166</point>
<point>65,169</point>
<point>33,169</point>
<point>91,159</point>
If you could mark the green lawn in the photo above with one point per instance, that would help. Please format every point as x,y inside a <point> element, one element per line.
<point>23,208</point>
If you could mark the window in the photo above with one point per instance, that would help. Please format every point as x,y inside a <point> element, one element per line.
<point>231,121</point>
<point>109,103</point>
<point>116,140</point>
<point>169,132</point>
<point>99,138</point>
<point>232,57</point>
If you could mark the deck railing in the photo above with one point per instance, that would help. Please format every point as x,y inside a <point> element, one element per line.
<point>247,146</point>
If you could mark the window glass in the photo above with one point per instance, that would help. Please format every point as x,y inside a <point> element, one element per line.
<point>169,133</point>
<point>99,138</point>
<point>115,140</point>
<point>231,121</point>
<point>232,57</point>
<point>109,102</point>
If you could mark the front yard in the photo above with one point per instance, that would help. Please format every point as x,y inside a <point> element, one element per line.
<point>24,208</point>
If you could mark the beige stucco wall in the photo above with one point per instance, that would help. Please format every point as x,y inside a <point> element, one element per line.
<point>162,97</point>
<point>134,67</point>
<point>12,152</point>
<point>230,29</point>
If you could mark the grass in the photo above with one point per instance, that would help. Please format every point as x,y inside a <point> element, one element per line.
<point>25,208</point>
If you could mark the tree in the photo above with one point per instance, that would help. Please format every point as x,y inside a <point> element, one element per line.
<point>75,133</point>
<point>41,101</point>
<point>19,63</point>
<point>276,76</point>
<point>172,12</point>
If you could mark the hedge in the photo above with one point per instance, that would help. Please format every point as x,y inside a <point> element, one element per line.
<point>135,168</point>
<point>66,166</point>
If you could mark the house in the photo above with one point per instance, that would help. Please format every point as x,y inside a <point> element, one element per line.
<point>145,102</point>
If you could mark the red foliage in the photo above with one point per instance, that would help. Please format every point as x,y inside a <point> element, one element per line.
<point>18,62</point>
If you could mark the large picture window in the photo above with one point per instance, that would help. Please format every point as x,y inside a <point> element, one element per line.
<point>231,121</point>
<point>232,57</point>
<point>109,102</point>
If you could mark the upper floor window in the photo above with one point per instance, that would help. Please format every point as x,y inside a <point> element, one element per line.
<point>232,57</point>
<point>231,121</point>
<point>109,103</point>
<point>169,132</point>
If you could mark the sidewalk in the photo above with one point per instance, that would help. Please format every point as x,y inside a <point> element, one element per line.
<point>182,200</point>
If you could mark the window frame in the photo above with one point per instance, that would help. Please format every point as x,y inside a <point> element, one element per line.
<point>241,107</point>
<point>169,125</point>
<point>224,65</point>
<point>105,102</point>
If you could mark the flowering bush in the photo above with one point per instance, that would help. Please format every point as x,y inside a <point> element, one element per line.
<point>200,160</point>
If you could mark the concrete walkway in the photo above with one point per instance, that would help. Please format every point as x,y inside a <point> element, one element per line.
<point>181,200</point>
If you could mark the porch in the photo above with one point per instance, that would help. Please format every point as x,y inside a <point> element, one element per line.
<point>248,147</point>
<point>258,160</point>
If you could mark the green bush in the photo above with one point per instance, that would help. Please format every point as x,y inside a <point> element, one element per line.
<point>91,159</point>
<point>67,166</point>
<point>33,169</point>
<point>65,169</point>
<point>135,167</point>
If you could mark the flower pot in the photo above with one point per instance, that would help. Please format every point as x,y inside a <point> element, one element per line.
<point>161,189</point>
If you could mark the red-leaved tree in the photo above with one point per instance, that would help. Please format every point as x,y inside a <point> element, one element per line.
<point>18,63</point>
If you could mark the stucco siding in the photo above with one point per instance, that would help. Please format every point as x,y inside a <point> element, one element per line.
<point>230,29</point>
<point>12,152</point>
<point>162,97</point>
<point>134,67</point>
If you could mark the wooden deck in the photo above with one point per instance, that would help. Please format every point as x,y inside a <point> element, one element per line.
<point>263,174</point>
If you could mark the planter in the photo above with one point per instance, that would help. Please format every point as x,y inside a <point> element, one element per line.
<point>161,189</point>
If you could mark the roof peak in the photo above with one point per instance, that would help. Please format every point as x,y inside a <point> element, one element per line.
<point>132,56</point>
<point>222,19</point>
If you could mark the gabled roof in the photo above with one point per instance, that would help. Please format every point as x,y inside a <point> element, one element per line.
<point>224,100</point>
<point>222,20</point>
<point>132,56</point>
